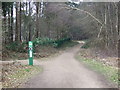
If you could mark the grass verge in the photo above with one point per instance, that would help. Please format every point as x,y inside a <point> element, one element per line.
<point>110,72</point>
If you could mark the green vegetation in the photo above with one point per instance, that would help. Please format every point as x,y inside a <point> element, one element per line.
<point>48,41</point>
<point>43,47</point>
<point>108,71</point>
<point>42,41</point>
<point>87,44</point>
<point>17,46</point>
<point>68,44</point>
<point>59,42</point>
<point>53,28</point>
<point>76,21</point>
<point>22,47</point>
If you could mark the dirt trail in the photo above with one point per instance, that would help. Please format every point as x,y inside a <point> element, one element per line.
<point>64,71</point>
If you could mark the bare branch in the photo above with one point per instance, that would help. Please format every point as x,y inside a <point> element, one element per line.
<point>74,8</point>
<point>100,31</point>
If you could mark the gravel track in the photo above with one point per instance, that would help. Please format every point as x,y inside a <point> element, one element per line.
<point>64,71</point>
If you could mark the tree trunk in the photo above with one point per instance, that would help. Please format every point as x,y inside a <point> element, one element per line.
<point>25,26</point>
<point>20,22</point>
<point>17,23</point>
<point>29,23</point>
<point>26,7</point>
<point>8,35</point>
<point>119,19</point>
<point>4,30</point>
<point>37,22</point>
<point>11,37</point>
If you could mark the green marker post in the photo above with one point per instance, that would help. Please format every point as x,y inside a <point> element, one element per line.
<point>30,53</point>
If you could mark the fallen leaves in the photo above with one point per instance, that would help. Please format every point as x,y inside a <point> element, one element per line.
<point>13,75</point>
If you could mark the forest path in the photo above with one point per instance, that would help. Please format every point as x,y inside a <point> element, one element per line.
<point>64,71</point>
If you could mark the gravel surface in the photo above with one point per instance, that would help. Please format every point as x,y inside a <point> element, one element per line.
<point>64,71</point>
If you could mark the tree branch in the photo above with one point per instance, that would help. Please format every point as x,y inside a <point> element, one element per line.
<point>74,8</point>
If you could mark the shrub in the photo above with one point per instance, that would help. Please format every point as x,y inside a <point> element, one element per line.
<point>42,41</point>
<point>48,41</point>
<point>59,42</point>
<point>87,44</point>
<point>16,46</point>
<point>23,47</point>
